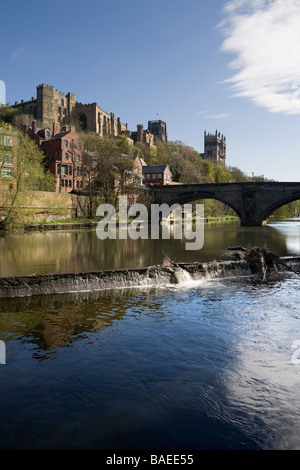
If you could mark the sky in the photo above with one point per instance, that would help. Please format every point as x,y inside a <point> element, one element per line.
<point>198,65</point>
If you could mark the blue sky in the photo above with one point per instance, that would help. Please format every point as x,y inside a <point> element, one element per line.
<point>196,64</point>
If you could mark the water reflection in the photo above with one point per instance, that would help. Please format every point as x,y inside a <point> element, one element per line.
<point>262,384</point>
<point>57,321</point>
<point>80,251</point>
<point>199,368</point>
<point>290,229</point>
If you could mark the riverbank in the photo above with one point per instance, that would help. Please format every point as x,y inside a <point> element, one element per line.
<point>83,223</point>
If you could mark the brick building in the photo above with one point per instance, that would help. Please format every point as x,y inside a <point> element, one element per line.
<point>159,175</point>
<point>64,150</point>
<point>8,145</point>
<point>38,135</point>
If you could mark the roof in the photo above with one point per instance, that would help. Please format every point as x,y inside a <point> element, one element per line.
<point>59,136</point>
<point>154,169</point>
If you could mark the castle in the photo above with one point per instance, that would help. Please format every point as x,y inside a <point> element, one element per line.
<point>214,148</point>
<point>51,106</point>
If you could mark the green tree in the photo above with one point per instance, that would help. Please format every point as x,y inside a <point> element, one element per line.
<point>108,160</point>
<point>29,174</point>
<point>8,114</point>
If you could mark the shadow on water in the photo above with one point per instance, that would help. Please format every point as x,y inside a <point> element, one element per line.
<point>56,321</point>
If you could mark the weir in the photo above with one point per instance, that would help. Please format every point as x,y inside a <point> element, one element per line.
<point>43,284</point>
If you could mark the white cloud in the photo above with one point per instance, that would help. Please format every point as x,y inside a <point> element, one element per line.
<point>264,38</point>
<point>198,113</point>
<point>219,116</point>
<point>17,52</point>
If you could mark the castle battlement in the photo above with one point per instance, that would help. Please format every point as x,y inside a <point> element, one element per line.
<point>53,106</point>
<point>215,147</point>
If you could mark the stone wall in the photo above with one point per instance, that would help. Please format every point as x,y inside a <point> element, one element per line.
<point>40,206</point>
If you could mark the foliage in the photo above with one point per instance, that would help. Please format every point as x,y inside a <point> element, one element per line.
<point>188,167</point>
<point>107,161</point>
<point>29,174</point>
<point>289,210</point>
<point>8,114</point>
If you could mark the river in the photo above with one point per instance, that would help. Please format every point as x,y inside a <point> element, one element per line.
<point>199,365</point>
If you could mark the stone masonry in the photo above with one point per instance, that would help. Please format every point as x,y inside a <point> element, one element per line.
<point>52,106</point>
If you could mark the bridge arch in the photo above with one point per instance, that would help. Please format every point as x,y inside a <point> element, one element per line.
<point>276,205</point>
<point>253,202</point>
<point>202,195</point>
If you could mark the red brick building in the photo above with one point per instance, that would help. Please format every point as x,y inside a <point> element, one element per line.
<point>159,175</point>
<point>63,151</point>
<point>38,135</point>
<point>64,158</point>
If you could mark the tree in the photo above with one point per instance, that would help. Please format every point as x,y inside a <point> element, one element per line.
<point>220,175</point>
<point>8,114</point>
<point>107,161</point>
<point>29,173</point>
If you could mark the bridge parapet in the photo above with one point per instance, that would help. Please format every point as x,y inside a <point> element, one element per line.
<point>253,202</point>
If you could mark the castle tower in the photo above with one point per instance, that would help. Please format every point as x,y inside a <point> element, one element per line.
<point>159,130</point>
<point>54,106</point>
<point>215,147</point>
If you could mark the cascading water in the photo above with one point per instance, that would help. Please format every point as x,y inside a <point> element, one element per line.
<point>182,276</point>
<point>158,276</point>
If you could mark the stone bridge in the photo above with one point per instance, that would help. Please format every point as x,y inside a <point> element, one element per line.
<point>253,202</point>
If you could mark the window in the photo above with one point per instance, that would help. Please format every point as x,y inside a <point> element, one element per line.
<point>148,176</point>
<point>154,176</point>
<point>67,156</point>
<point>47,133</point>
<point>7,158</point>
<point>77,184</point>
<point>77,171</point>
<point>159,176</point>
<point>62,183</point>
<point>64,169</point>
<point>78,145</point>
<point>70,183</point>
<point>7,172</point>
<point>70,170</point>
<point>78,157</point>
<point>65,143</point>
<point>6,140</point>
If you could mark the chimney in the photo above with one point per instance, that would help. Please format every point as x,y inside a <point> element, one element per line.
<point>56,128</point>
<point>34,126</point>
<point>72,128</point>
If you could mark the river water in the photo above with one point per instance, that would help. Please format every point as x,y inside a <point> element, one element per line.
<point>199,365</point>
